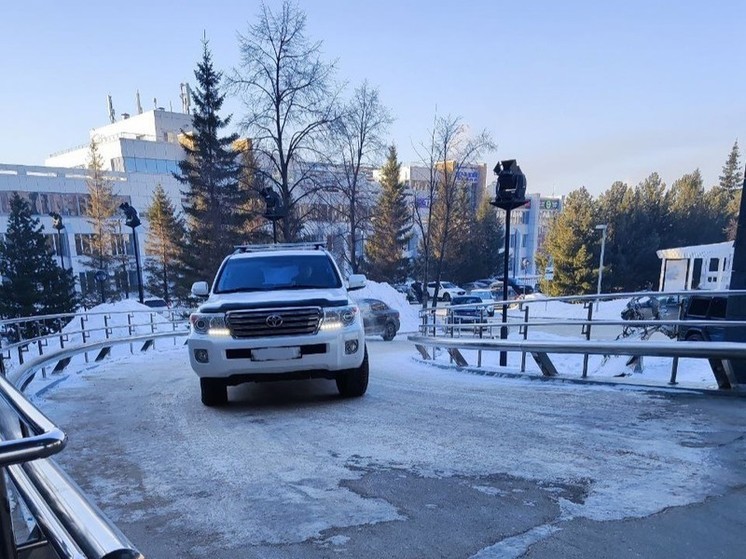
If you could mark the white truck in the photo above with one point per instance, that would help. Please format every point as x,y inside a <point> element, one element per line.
<point>277,312</point>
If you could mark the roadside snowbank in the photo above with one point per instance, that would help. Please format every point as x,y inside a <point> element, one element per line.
<point>408,315</point>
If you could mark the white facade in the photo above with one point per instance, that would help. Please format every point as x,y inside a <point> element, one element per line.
<point>529,225</point>
<point>138,153</point>
<point>705,267</point>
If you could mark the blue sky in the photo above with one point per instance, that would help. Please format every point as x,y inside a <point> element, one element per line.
<point>581,93</point>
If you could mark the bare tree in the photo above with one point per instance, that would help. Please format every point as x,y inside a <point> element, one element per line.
<point>448,150</point>
<point>290,103</point>
<point>358,137</point>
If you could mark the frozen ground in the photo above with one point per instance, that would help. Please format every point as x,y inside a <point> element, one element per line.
<point>430,463</point>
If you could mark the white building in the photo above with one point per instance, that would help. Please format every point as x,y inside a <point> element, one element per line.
<point>529,226</point>
<point>696,267</point>
<point>138,152</point>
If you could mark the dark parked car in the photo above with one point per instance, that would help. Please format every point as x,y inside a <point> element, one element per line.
<point>704,307</point>
<point>469,309</point>
<point>652,307</point>
<point>379,319</point>
<point>155,303</point>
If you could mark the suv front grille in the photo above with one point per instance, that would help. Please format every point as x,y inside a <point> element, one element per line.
<point>266,323</point>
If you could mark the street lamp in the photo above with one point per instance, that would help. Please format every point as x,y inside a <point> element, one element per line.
<point>57,224</point>
<point>601,228</point>
<point>510,194</point>
<point>131,220</point>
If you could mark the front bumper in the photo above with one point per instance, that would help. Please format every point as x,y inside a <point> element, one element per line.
<point>230,357</point>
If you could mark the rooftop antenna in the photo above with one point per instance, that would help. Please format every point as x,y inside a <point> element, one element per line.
<point>112,115</point>
<point>186,97</point>
<point>137,101</point>
<point>155,103</point>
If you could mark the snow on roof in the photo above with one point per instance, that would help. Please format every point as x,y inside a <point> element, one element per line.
<point>715,250</point>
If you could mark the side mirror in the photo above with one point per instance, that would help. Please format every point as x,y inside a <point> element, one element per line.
<point>200,289</point>
<point>355,281</point>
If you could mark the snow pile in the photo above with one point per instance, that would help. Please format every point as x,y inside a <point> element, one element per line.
<point>607,310</point>
<point>408,315</point>
<point>123,318</point>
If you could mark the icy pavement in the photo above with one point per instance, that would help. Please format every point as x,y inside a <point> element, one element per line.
<point>430,463</point>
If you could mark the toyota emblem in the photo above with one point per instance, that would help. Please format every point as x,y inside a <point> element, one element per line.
<point>274,321</point>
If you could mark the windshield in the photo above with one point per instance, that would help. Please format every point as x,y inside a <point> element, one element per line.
<point>484,295</point>
<point>264,273</point>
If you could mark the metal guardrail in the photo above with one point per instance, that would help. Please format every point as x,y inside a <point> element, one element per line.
<point>443,327</point>
<point>67,524</point>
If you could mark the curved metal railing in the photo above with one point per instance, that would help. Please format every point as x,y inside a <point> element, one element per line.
<point>447,328</point>
<point>66,523</point>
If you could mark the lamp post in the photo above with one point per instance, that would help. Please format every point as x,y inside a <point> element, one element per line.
<point>57,224</point>
<point>510,194</point>
<point>133,221</point>
<point>601,228</point>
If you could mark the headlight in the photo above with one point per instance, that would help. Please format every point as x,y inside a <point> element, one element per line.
<point>339,317</point>
<point>212,324</point>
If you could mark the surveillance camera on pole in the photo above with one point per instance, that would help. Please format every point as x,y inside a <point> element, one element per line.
<point>509,194</point>
<point>132,220</point>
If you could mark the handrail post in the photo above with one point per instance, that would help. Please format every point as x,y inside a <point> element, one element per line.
<point>674,370</point>
<point>7,538</point>
<point>587,332</point>
<point>525,336</point>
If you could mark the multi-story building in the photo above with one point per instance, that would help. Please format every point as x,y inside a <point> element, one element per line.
<point>417,179</point>
<point>138,153</point>
<point>529,225</point>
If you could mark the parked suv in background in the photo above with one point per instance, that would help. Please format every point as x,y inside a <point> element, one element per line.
<point>277,312</point>
<point>446,292</point>
<point>704,307</point>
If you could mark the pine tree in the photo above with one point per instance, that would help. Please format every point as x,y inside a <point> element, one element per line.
<point>731,179</point>
<point>731,182</point>
<point>482,253</point>
<point>32,282</point>
<point>210,171</point>
<point>163,246</point>
<point>100,210</point>
<point>571,243</point>
<point>695,218</point>
<point>392,227</point>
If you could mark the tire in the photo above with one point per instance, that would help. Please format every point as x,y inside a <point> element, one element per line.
<point>354,382</point>
<point>446,297</point>
<point>694,337</point>
<point>214,392</point>
<point>389,332</point>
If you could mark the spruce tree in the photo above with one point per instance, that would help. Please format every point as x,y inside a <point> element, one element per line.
<point>392,227</point>
<point>100,210</point>
<point>32,282</point>
<point>210,173</point>
<point>571,244</point>
<point>486,238</point>
<point>732,179</point>
<point>731,182</point>
<point>163,246</point>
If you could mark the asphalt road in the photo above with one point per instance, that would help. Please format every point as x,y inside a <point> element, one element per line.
<point>429,463</point>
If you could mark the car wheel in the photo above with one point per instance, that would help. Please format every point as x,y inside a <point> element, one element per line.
<point>214,392</point>
<point>446,297</point>
<point>694,337</point>
<point>389,332</point>
<point>354,383</point>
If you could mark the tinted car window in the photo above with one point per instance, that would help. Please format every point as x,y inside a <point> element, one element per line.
<point>264,273</point>
<point>717,307</point>
<point>465,300</point>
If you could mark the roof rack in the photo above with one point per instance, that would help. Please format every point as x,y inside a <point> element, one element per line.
<point>316,245</point>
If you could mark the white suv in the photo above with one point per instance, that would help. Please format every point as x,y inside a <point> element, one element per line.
<point>277,312</point>
<point>446,292</point>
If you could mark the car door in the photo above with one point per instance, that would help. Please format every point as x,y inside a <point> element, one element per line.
<point>368,320</point>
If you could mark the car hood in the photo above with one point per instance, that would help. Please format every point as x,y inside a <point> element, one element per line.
<point>275,299</point>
